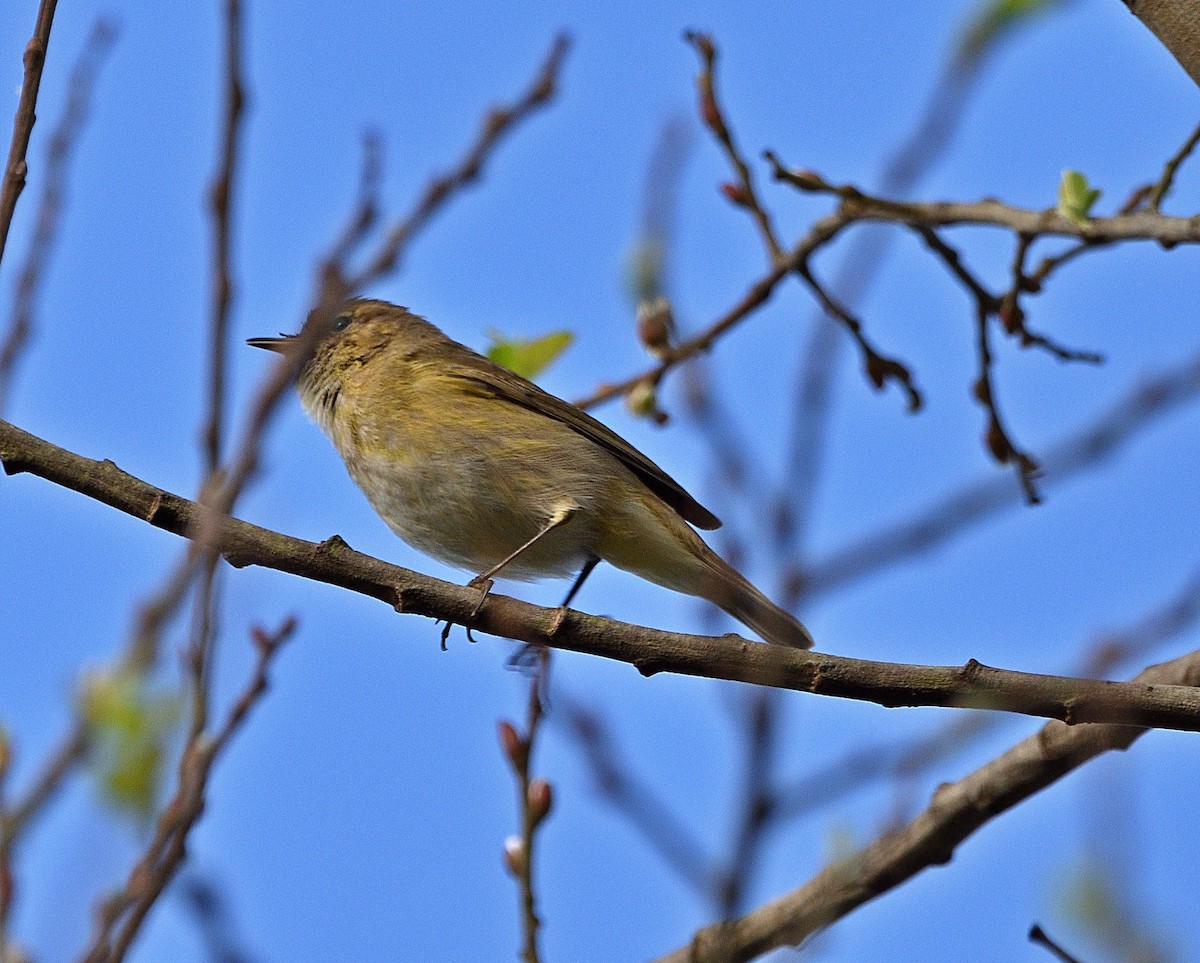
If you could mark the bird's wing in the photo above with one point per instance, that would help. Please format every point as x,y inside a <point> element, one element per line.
<point>504,384</point>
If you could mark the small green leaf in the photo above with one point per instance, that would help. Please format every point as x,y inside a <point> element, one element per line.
<point>1076,197</point>
<point>528,357</point>
<point>129,727</point>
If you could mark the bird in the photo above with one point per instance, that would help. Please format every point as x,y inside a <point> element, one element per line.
<point>478,467</point>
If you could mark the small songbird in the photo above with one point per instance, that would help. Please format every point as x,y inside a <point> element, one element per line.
<point>480,468</point>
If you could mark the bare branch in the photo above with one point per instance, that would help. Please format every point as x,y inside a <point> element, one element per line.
<point>743,193</point>
<point>721,657</point>
<point>1170,168</point>
<point>122,914</point>
<point>221,199</point>
<point>955,812</point>
<point>48,219</point>
<point>16,168</point>
<point>857,205</point>
<point>1174,23</point>
<point>337,280</point>
<point>534,800</point>
<point>1143,406</point>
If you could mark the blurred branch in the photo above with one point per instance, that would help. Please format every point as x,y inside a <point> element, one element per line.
<point>1140,408</point>
<point>59,153</point>
<point>1174,23</point>
<point>16,168</point>
<point>207,904</point>
<point>221,199</point>
<point>121,915</point>
<point>1038,936</point>
<point>955,812</point>
<point>636,801</point>
<point>1163,186</point>
<point>650,651</point>
<point>337,279</point>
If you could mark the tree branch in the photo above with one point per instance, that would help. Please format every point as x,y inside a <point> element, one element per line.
<point>954,813</point>
<point>972,685</point>
<point>1174,23</point>
<point>16,169</point>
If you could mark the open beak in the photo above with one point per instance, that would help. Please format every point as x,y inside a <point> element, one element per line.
<point>279,344</point>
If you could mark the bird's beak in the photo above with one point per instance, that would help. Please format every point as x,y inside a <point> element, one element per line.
<point>279,344</point>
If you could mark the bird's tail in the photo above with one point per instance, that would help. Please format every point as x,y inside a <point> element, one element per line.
<point>648,538</point>
<point>732,592</point>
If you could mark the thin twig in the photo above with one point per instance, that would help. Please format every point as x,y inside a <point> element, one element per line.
<point>1038,936</point>
<point>1163,186</point>
<point>366,212</point>
<point>337,280</point>
<point>999,442</point>
<point>534,800</point>
<point>16,168</point>
<point>122,915</point>
<point>742,193</point>
<point>48,219</point>
<point>222,195</point>
<point>1142,406</point>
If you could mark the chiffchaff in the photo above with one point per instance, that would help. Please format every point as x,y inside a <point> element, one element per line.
<point>477,467</point>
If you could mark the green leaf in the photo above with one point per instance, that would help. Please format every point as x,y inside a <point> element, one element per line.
<point>528,357</point>
<point>993,20</point>
<point>130,727</point>
<point>1076,197</point>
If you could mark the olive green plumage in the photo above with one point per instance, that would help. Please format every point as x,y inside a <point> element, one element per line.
<point>468,462</point>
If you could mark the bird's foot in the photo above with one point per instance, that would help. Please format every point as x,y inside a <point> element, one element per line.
<point>485,585</point>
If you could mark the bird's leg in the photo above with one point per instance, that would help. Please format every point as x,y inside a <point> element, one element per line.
<point>584,572</point>
<point>484,580</point>
<point>529,652</point>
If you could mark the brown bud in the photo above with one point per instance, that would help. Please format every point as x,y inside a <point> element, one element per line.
<point>997,443</point>
<point>737,194</point>
<point>711,114</point>
<point>515,748</point>
<point>655,324</point>
<point>703,43</point>
<point>876,369</point>
<point>515,856</point>
<point>807,180</point>
<point>540,799</point>
<point>1011,316</point>
<point>981,391</point>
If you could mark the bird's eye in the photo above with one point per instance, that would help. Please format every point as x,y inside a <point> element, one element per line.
<point>341,322</point>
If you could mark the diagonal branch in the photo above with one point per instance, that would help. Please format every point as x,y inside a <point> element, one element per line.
<point>955,812</point>
<point>16,168</point>
<point>59,153</point>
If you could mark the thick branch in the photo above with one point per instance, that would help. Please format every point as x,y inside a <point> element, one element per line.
<point>1175,24</point>
<point>955,812</point>
<point>649,650</point>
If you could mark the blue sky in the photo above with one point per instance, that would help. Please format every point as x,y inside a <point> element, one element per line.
<point>361,813</point>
